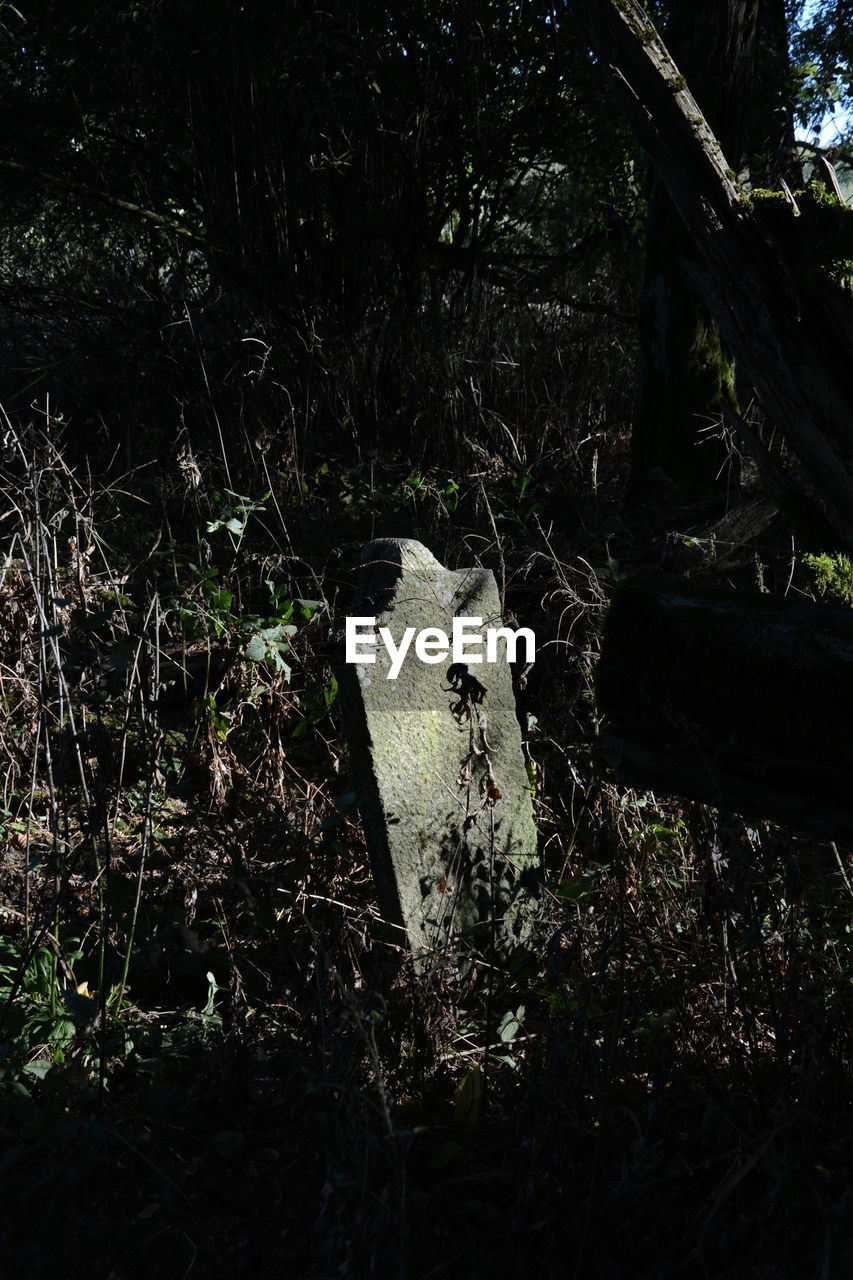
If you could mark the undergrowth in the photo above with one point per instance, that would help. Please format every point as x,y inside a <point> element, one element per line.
<point>833,576</point>
<point>213,1060</point>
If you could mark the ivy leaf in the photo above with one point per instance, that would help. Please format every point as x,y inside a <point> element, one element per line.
<point>256,649</point>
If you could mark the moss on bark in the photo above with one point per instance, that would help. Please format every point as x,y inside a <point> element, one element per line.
<point>685,376</point>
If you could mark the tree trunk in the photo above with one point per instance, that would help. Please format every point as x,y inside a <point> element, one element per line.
<point>770,139</point>
<point>685,376</point>
<point>785,323</point>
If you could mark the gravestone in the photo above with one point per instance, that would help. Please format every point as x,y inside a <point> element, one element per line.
<point>437,760</point>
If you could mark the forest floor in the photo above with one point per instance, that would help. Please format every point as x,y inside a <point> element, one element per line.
<point>211,1061</point>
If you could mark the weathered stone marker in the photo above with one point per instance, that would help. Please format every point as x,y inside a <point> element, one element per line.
<point>437,760</point>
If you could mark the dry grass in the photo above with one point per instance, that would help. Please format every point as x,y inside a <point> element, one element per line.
<point>213,1060</point>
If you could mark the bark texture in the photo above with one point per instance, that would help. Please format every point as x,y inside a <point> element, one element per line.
<point>780,313</point>
<point>685,375</point>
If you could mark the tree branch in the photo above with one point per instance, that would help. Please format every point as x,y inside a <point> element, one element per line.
<point>114,202</point>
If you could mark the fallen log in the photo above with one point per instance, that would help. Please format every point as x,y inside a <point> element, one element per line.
<point>741,701</point>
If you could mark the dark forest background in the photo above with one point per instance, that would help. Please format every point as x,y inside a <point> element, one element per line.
<point>275,280</point>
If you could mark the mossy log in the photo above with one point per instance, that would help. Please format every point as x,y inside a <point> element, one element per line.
<point>744,702</point>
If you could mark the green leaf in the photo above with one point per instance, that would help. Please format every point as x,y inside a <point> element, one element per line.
<point>330,692</point>
<point>256,650</point>
<point>283,667</point>
<point>510,1024</point>
<point>578,887</point>
<point>37,1069</point>
<point>468,1097</point>
<point>61,1032</point>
